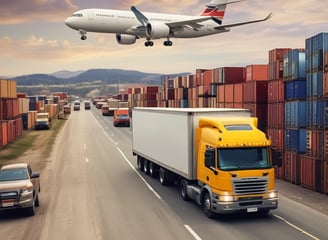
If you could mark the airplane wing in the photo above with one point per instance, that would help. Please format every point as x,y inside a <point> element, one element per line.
<point>242,23</point>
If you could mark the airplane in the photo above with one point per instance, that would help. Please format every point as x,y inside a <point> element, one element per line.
<point>132,25</point>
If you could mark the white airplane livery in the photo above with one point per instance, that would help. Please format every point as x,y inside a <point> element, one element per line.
<point>132,25</point>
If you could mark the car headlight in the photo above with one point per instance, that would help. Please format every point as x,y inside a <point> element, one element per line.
<point>26,191</point>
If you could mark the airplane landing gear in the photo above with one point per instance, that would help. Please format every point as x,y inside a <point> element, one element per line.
<point>83,37</point>
<point>168,43</point>
<point>83,34</point>
<point>149,43</point>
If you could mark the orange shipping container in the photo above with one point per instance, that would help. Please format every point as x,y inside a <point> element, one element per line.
<point>4,134</point>
<point>257,73</point>
<point>238,93</point>
<point>3,88</point>
<point>228,93</point>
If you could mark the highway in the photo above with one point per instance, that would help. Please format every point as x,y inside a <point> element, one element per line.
<point>91,189</point>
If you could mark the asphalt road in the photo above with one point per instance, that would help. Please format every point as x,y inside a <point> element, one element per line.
<point>92,190</point>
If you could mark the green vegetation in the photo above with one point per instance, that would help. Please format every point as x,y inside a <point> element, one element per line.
<point>32,140</point>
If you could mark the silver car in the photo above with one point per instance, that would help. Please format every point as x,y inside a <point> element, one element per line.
<point>19,188</point>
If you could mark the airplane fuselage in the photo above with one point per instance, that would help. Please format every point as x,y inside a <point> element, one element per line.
<point>125,22</point>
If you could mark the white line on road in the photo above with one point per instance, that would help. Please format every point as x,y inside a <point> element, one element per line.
<point>195,235</point>
<point>150,187</point>
<point>297,228</point>
<point>87,159</point>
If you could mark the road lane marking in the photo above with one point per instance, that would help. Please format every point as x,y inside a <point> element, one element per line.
<point>297,228</point>
<point>147,184</point>
<point>192,232</point>
<point>87,159</point>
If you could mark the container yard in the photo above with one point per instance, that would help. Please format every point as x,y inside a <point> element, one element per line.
<point>288,94</point>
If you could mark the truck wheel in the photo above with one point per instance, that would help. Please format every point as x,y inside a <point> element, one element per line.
<point>207,205</point>
<point>162,176</point>
<point>153,169</point>
<point>37,201</point>
<point>140,163</point>
<point>183,190</point>
<point>146,166</point>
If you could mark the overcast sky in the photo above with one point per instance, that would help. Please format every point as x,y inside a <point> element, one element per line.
<point>34,38</point>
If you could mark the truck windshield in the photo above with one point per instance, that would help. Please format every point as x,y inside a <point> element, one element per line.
<point>243,158</point>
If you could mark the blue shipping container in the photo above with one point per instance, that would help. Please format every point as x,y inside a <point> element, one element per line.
<point>314,84</point>
<point>295,140</point>
<point>295,114</point>
<point>317,114</point>
<point>316,46</point>
<point>295,90</point>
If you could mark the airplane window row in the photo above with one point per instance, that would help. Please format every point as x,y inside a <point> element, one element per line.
<point>104,15</point>
<point>77,15</point>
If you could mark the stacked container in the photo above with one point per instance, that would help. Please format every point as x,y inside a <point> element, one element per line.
<point>295,112</point>
<point>255,93</point>
<point>276,100</point>
<point>11,125</point>
<point>314,163</point>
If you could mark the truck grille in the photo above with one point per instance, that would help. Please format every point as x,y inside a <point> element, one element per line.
<point>250,185</point>
<point>8,195</point>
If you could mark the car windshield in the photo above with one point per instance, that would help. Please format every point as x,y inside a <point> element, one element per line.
<point>13,174</point>
<point>243,158</point>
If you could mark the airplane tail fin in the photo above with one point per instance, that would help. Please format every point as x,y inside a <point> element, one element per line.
<point>217,8</point>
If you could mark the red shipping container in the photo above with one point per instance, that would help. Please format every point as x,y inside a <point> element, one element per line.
<point>238,93</point>
<point>238,105</point>
<point>260,111</point>
<point>311,172</point>
<point>276,91</point>
<point>292,167</point>
<point>256,92</point>
<point>228,75</point>
<point>276,114</point>
<point>228,93</point>
<point>315,142</point>
<point>220,95</point>
<point>277,136</point>
<point>257,73</point>
<point>151,89</point>
<point>277,54</point>
<point>325,177</point>
<point>325,145</point>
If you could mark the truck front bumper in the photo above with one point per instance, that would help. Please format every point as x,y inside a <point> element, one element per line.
<point>258,205</point>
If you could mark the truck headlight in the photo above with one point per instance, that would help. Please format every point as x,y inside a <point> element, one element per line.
<point>26,191</point>
<point>225,198</point>
<point>273,194</point>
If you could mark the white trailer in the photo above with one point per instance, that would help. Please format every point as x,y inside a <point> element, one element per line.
<point>166,136</point>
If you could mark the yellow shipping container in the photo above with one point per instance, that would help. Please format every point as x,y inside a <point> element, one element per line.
<point>3,88</point>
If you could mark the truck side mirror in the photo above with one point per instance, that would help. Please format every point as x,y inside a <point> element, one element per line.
<point>276,158</point>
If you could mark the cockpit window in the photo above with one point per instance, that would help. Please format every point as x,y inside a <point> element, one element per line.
<point>77,15</point>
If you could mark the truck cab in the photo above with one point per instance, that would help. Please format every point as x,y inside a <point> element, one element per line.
<point>235,165</point>
<point>43,121</point>
<point>121,117</point>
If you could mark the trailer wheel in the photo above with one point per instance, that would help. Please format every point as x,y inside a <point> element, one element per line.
<point>183,190</point>
<point>207,205</point>
<point>146,166</point>
<point>162,176</point>
<point>153,169</point>
<point>140,163</point>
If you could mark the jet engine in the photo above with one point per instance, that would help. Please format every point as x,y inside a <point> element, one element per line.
<point>126,39</point>
<point>157,30</point>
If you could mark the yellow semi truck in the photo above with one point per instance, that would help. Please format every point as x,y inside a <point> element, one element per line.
<point>219,157</point>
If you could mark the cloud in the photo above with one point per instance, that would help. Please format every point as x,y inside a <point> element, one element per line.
<point>22,11</point>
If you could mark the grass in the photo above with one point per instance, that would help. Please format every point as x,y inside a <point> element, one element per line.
<point>30,140</point>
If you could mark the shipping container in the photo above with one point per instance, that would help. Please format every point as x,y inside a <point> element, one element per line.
<point>229,75</point>
<point>295,90</point>
<point>257,72</point>
<point>256,92</point>
<point>311,172</point>
<point>260,111</point>
<point>314,84</point>
<point>295,140</point>
<point>3,134</point>
<point>316,47</point>
<point>276,63</point>
<point>295,114</point>
<point>292,167</point>
<point>325,177</point>
<point>276,114</point>
<point>277,136</point>
<point>280,171</point>
<point>276,91</point>
<point>315,143</point>
<point>294,65</point>
<point>317,113</point>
